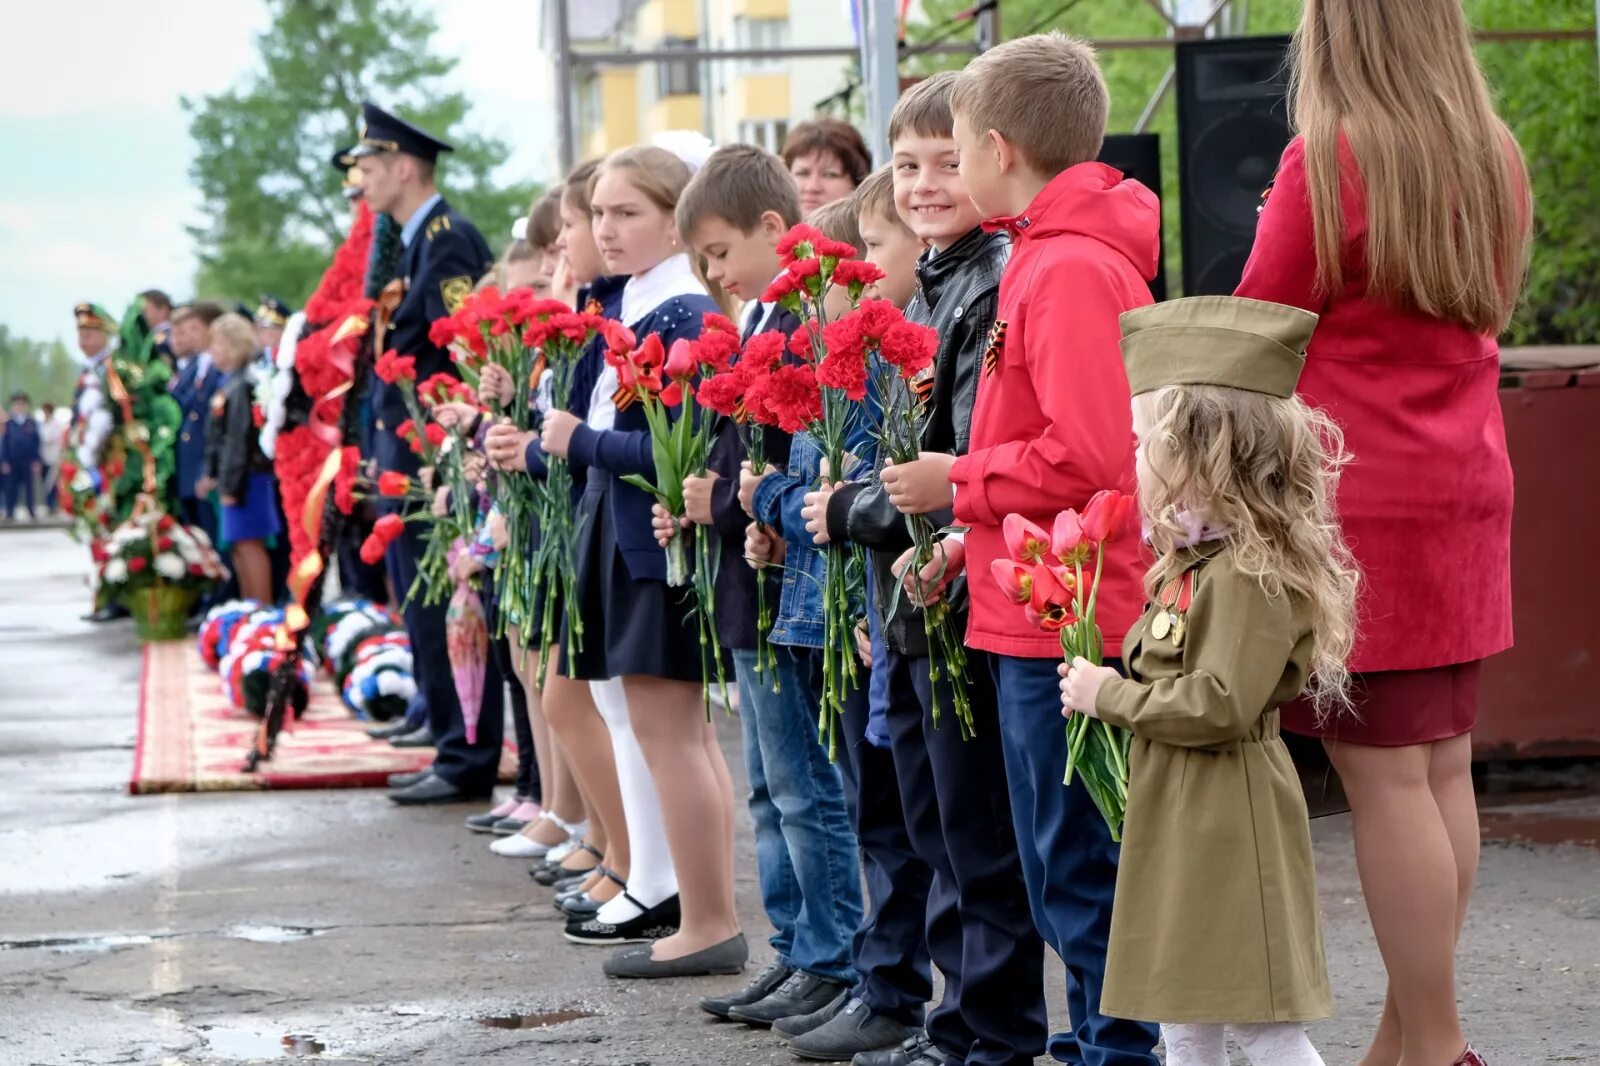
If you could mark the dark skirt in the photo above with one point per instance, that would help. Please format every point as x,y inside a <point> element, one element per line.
<point>256,516</point>
<point>629,626</point>
<point>1396,708</point>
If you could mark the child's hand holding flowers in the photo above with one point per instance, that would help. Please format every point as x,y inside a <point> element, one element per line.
<point>1080,685</point>
<point>921,485</point>
<point>556,436</point>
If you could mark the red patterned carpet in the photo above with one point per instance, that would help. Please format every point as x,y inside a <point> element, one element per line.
<point>191,739</point>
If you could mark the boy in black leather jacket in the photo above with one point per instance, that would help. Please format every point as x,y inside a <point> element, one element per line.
<point>980,932</point>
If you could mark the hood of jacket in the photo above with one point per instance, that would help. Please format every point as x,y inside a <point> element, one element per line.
<point>1096,201</point>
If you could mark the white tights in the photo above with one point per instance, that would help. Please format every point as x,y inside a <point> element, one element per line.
<point>651,878</point>
<point>1277,1044</point>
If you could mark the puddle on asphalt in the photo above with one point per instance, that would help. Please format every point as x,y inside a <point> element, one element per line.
<point>271,934</point>
<point>254,1044</point>
<point>536,1021</point>
<point>93,945</point>
<point>1557,817</point>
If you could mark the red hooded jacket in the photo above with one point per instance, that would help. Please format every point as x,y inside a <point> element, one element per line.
<point>1053,422</point>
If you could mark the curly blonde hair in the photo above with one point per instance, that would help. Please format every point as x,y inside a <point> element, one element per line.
<point>1264,468</point>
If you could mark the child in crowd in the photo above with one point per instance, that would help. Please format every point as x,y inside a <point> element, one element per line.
<point>636,627</point>
<point>1050,427</point>
<point>952,788</point>
<point>733,214</point>
<point>1251,600</point>
<point>241,471</point>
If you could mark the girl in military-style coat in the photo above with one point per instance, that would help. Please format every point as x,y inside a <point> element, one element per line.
<point>1216,919</point>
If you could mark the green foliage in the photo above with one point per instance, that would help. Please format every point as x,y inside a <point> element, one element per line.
<point>271,198</point>
<point>45,370</point>
<point>1547,91</point>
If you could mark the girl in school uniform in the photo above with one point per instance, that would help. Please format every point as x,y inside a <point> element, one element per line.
<point>242,472</point>
<point>642,631</point>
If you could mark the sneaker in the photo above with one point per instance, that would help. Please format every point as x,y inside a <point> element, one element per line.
<point>802,993</point>
<point>848,1033</point>
<point>659,921</point>
<point>766,983</point>
<point>485,822</point>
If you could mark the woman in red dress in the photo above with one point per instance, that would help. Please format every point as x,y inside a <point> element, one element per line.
<point>1401,215</point>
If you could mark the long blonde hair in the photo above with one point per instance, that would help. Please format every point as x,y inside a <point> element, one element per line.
<point>661,176</point>
<point>1447,201</point>
<point>1265,469</point>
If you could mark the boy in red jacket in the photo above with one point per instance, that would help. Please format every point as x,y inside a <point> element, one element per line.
<point>1052,425</point>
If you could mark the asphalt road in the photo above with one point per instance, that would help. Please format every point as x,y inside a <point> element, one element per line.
<point>201,929</point>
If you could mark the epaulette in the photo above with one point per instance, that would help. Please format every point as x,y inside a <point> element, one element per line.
<point>440,223</point>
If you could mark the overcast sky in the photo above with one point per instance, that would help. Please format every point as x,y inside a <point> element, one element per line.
<point>95,152</point>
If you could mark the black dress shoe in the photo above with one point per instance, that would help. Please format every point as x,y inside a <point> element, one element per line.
<point>435,789</point>
<point>789,1028</point>
<point>766,983</point>
<point>802,993</point>
<point>399,781</point>
<point>933,1056</point>
<point>848,1033</point>
<point>390,731</point>
<point>659,921</point>
<point>111,612</point>
<point>422,738</point>
<point>910,1049</point>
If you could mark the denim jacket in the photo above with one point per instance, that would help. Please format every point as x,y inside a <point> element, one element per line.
<point>777,503</point>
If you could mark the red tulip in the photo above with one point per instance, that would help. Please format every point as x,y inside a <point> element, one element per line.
<point>393,483</point>
<point>372,550</point>
<point>1050,603</point>
<point>681,360</point>
<point>389,527</point>
<point>1067,542</point>
<point>1107,515</point>
<point>1026,542</point>
<point>1014,579</point>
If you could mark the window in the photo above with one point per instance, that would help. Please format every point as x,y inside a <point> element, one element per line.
<point>589,108</point>
<point>678,77</point>
<point>764,34</point>
<point>766,133</point>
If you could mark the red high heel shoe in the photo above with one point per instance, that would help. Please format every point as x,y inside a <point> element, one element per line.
<point>1470,1057</point>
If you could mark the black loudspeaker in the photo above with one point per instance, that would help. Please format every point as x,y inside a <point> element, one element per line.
<point>1233,124</point>
<point>1138,156</point>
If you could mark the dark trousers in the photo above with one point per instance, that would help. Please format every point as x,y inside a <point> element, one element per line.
<point>891,949</point>
<point>19,488</point>
<point>504,655</point>
<point>366,581</point>
<point>957,811</point>
<point>197,512</point>
<point>1068,860</point>
<point>469,767</point>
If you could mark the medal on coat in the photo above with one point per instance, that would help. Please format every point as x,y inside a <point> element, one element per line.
<point>1172,618</point>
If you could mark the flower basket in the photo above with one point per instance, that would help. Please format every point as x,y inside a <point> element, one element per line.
<point>161,612</point>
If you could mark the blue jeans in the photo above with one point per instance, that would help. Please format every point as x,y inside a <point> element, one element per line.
<point>806,851</point>
<point>1068,861</point>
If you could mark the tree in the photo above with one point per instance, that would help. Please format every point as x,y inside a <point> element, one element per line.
<point>45,370</point>
<point>1547,92</point>
<point>271,198</point>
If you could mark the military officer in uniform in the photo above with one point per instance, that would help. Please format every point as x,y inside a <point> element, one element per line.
<point>196,381</point>
<point>272,314</point>
<point>442,256</point>
<point>92,417</point>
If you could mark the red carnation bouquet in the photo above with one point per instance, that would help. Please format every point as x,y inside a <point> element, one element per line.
<point>1045,577</point>
<point>824,392</point>
<point>539,343</point>
<point>430,441</point>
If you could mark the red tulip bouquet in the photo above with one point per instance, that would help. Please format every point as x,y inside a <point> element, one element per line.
<point>664,383</point>
<point>1045,576</point>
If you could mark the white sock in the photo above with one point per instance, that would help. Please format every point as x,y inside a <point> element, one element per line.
<point>1195,1045</point>
<point>1277,1044</point>
<point>651,878</point>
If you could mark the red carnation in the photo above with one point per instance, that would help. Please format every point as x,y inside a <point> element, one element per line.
<point>827,248</point>
<point>790,395</point>
<point>406,430</point>
<point>137,563</point>
<point>435,433</point>
<point>388,528</point>
<point>722,393</point>
<point>717,348</point>
<point>163,544</point>
<point>855,275</point>
<point>715,323</point>
<point>844,373</point>
<point>764,350</point>
<point>909,346</point>
<point>786,288</point>
<point>799,243</point>
<point>443,331</point>
<point>344,483</point>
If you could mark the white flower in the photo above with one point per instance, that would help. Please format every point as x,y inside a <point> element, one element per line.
<point>116,571</point>
<point>171,566</point>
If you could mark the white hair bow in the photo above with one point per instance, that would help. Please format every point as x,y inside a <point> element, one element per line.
<point>691,146</point>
